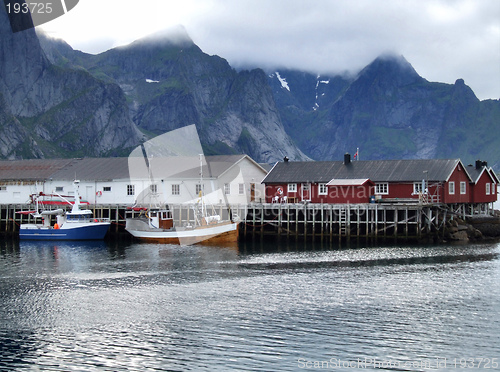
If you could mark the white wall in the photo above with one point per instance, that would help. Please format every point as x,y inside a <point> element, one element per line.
<point>97,192</point>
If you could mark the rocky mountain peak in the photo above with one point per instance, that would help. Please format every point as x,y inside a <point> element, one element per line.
<point>173,36</point>
<point>390,69</point>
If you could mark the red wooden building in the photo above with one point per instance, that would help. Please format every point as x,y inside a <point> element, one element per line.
<point>485,182</point>
<point>445,181</point>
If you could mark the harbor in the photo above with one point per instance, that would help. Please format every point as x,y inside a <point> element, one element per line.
<point>295,221</point>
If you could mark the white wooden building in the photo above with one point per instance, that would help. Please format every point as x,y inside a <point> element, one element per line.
<point>233,179</point>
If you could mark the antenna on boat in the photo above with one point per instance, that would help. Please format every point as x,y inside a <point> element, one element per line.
<point>201,185</point>
<point>76,205</point>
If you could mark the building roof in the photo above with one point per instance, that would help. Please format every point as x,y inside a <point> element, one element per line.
<point>31,170</point>
<point>105,169</point>
<point>95,169</point>
<point>376,170</point>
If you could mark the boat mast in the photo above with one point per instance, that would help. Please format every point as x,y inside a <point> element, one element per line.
<point>201,185</point>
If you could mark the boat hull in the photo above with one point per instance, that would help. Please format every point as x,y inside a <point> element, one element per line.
<point>218,234</point>
<point>94,231</point>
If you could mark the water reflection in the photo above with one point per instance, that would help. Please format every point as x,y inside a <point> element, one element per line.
<point>134,306</point>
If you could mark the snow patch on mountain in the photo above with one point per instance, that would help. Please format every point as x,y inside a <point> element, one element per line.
<point>283,82</point>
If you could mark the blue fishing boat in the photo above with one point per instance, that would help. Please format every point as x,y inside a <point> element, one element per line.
<point>77,224</point>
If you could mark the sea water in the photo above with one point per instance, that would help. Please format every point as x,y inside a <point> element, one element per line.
<point>258,307</point>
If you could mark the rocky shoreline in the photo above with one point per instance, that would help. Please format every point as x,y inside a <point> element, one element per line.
<point>475,228</point>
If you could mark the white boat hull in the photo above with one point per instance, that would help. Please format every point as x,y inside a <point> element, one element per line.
<point>225,232</point>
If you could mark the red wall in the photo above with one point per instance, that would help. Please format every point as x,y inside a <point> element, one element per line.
<point>336,194</point>
<point>458,176</point>
<point>405,190</point>
<point>361,194</point>
<point>479,190</point>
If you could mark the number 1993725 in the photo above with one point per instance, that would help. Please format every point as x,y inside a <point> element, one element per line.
<point>33,8</point>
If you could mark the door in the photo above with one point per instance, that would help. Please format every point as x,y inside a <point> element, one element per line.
<point>306,192</point>
<point>89,194</point>
<point>252,192</point>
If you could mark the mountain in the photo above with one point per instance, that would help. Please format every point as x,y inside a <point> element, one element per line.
<point>169,83</point>
<point>58,102</point>
<point>48,110</point>
<point>389,112</point>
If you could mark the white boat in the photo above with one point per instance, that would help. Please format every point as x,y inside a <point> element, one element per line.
<point>157,225</point>
<point>171,154</point>
<point>77,224</point>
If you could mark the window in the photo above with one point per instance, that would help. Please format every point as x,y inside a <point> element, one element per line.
<point>3,188</point>
<point>227,188</point>
<point>451,188</point>
<point>176,189</point>
<point>417,188</point>
<point>106,188</point>
<point>463,188</point>
<point>488,189</point>
<point>130,190</point>
<point>59,188</point>
<point>198,190</point>
<point>153,188</point>
<point>323,189</point>
<point>292,187</point>
<point>382,188</point>
<point>241,188</point>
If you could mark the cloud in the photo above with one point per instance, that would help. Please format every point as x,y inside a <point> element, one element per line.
<point>444,40</point>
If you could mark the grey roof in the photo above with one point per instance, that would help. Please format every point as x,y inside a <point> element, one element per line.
<point>103,169</point>
<point>31,170</point>
<point>375,170</point>
<point>475,173</point>
<point>98,169</point>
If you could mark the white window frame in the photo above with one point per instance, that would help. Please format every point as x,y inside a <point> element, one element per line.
<point>382,188</point>
<point>153,188</point>
<point>451,188</point>
<point>176,189</point>
<point>198,188</point>
<point>292,187</point>
<point>130,190</point>
<point>227,189</point>
<point>306,191</point>
<point>106,189</point>
<point>322,189</point>
<point>241,188</point>
<point>488,188</point>
<point>417,188</point>
<point>463,188</point>
<point>59,188</point>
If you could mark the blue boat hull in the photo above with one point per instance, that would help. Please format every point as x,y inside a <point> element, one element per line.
<point>93,232</point>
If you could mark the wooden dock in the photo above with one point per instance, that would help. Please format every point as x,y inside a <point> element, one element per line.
<point>332,222</point>
<point>344,221</point>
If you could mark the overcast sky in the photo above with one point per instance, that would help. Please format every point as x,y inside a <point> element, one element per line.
<point>444,40</point>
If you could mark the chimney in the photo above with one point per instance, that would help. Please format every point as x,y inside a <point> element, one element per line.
<point>479,164</point>
<point>347,158</point>
<point>285,159</point>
